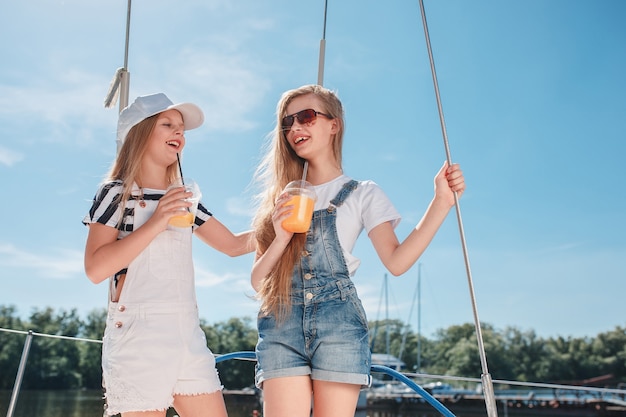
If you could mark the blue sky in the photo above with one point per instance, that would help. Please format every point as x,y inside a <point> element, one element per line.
<point>534,98</point>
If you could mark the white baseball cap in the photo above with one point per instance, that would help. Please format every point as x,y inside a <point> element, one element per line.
<point>149,105</point>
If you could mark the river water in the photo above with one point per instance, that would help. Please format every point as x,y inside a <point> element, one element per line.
<point>89,403</point>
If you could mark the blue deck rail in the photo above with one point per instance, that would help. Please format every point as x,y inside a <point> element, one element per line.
<point>246,355</point>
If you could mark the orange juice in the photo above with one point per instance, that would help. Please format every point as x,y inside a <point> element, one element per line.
<point>184,220</point>
<point>300,218</point>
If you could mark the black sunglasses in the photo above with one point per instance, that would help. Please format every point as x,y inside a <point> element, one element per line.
<point>306,116</point>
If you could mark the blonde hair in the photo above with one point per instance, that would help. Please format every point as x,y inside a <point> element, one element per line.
<point>127,165</point>
<point>279,166</point>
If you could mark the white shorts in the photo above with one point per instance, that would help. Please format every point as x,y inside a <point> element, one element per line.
<point>153,352</point>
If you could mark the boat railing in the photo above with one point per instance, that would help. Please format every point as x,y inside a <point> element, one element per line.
<point>243,355</point>
<point>246,355</point>
<point>616,396</point>
<point>435,403</point>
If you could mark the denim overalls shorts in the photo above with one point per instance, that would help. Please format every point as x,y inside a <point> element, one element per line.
<point>326,334</point>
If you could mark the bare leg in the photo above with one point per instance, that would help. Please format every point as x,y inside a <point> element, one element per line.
<point>287,397</point>
<point>145,414</point>
<point>203,405</point>
<point>334,399</point>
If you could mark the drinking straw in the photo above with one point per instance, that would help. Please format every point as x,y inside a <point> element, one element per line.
<point>180,168</point>
<point>306,167</point>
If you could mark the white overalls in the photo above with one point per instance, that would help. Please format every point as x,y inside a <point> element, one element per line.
<point>154,347</point>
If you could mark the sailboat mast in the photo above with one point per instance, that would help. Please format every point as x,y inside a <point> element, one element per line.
<point>125,75</point>
<point>418,365</point>
<point>416,300</point>
<point>320,69</point>
<point>120,84</point>
<point>387,336</point>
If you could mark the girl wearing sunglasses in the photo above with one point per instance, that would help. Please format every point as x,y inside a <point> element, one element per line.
<point>313,345</point>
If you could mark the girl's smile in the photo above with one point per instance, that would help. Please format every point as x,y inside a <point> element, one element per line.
<point>168,137</point>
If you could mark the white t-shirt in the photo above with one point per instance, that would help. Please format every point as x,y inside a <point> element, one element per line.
<point>365,208</point>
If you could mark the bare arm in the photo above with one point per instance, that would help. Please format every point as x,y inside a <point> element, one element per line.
<point>219,237</point>
<point>265,262</point>
<point>399,257</point>
<point>105,254</point>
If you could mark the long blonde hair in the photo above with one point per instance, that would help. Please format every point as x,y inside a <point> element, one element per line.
<point>127,165</point>
<point>279,166</point>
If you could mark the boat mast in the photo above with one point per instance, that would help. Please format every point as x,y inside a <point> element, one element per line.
<point>320,67</point>
<point>120,84</point>
<point>387,335</point>
<point>487,382</point>
<point>416,300</point>
<point>125,75</point>
<point>418,365</point>
<point>383,296</point>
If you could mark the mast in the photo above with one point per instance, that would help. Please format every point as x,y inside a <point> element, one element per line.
<point>416,300</point>
<point>418,365</point>
<point>320,68</point>
<point>384,296</point>
<point>387,335</point>
<point>120,84</point>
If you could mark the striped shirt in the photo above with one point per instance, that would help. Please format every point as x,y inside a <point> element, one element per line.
<point>105,208</point>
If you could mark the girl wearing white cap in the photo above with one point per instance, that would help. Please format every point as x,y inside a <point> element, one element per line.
<point>154,354</point>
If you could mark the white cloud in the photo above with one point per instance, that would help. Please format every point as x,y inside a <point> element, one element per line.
<point>72,110</point>
<point>206,278</point>
<point>238,206</point>
<point>59,263</point>
<point>9,157</point>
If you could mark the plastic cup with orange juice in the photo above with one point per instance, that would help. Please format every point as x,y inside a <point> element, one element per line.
<point>303,200</point>
<point>188,214</point>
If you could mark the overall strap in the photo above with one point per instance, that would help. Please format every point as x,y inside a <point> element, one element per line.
<point>344,193</point>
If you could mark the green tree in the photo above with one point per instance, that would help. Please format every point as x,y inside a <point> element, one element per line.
<point>91,352</point>
<point>53,362</point>
<point>609,352</point>
<point>568,360</point>
<point>11,346</point>
<point>499,361</point>
<point>455,352</point>
<point>234,335</point>
<point>383,331</point>
<point>528,356</point>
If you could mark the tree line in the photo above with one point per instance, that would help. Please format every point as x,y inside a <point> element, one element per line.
<point>512,354</point>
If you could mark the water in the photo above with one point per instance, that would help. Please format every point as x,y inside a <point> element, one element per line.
<point>89,403</point>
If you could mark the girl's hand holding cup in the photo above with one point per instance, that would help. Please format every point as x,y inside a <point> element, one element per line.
<point>187,215</point>
<point>301,196</point>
